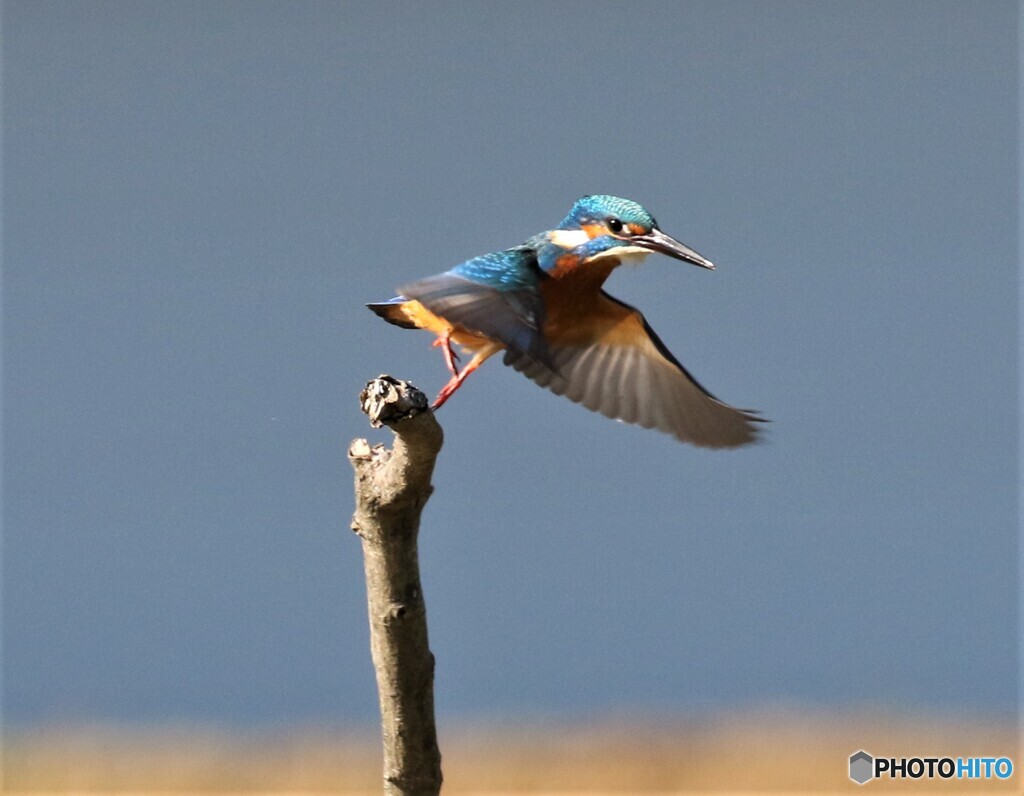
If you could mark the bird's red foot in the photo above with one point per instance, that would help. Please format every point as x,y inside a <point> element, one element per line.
<point>450,357</point>
<point>460,376</point>
<point>446,392</point>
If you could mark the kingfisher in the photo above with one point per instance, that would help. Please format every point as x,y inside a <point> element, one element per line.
<point>542,303</point>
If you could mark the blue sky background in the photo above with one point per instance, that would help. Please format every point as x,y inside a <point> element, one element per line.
<point>198,199</point>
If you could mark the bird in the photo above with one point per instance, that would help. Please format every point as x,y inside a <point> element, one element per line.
<point>542,303</point>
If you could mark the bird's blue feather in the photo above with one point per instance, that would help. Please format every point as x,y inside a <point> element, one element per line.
<point>509,270</point>
<point>600,207</point>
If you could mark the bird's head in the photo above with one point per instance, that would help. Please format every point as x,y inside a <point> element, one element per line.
<point>601,225</point>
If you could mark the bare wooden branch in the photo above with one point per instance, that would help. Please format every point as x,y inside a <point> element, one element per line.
<point>392,486</point>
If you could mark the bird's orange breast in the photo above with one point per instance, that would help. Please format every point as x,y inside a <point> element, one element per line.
<point>578,313</point>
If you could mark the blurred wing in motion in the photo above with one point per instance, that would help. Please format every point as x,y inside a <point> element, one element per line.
<point>628,374</point>
<point>496,296</point>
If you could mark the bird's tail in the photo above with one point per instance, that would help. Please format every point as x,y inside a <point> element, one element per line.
<point>391,311</point>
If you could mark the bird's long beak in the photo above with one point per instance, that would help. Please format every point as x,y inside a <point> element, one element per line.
<point>658,241</point>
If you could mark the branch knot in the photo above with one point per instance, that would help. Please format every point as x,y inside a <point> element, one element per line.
<point>387,400</point>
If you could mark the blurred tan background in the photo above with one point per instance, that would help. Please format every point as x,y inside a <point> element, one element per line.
<point>774,751</point>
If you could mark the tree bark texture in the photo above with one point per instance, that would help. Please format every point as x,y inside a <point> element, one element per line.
<point>392,486</point>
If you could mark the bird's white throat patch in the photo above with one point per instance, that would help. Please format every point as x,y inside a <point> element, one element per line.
<point>627,255</point>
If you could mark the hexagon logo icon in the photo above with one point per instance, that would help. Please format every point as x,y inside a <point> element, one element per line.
<point>862,767</point>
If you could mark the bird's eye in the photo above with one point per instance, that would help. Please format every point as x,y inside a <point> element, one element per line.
<point>615,225</point>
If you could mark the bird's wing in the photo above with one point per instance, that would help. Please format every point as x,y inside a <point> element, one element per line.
<point>627,373</point>
<point>496,295</point>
